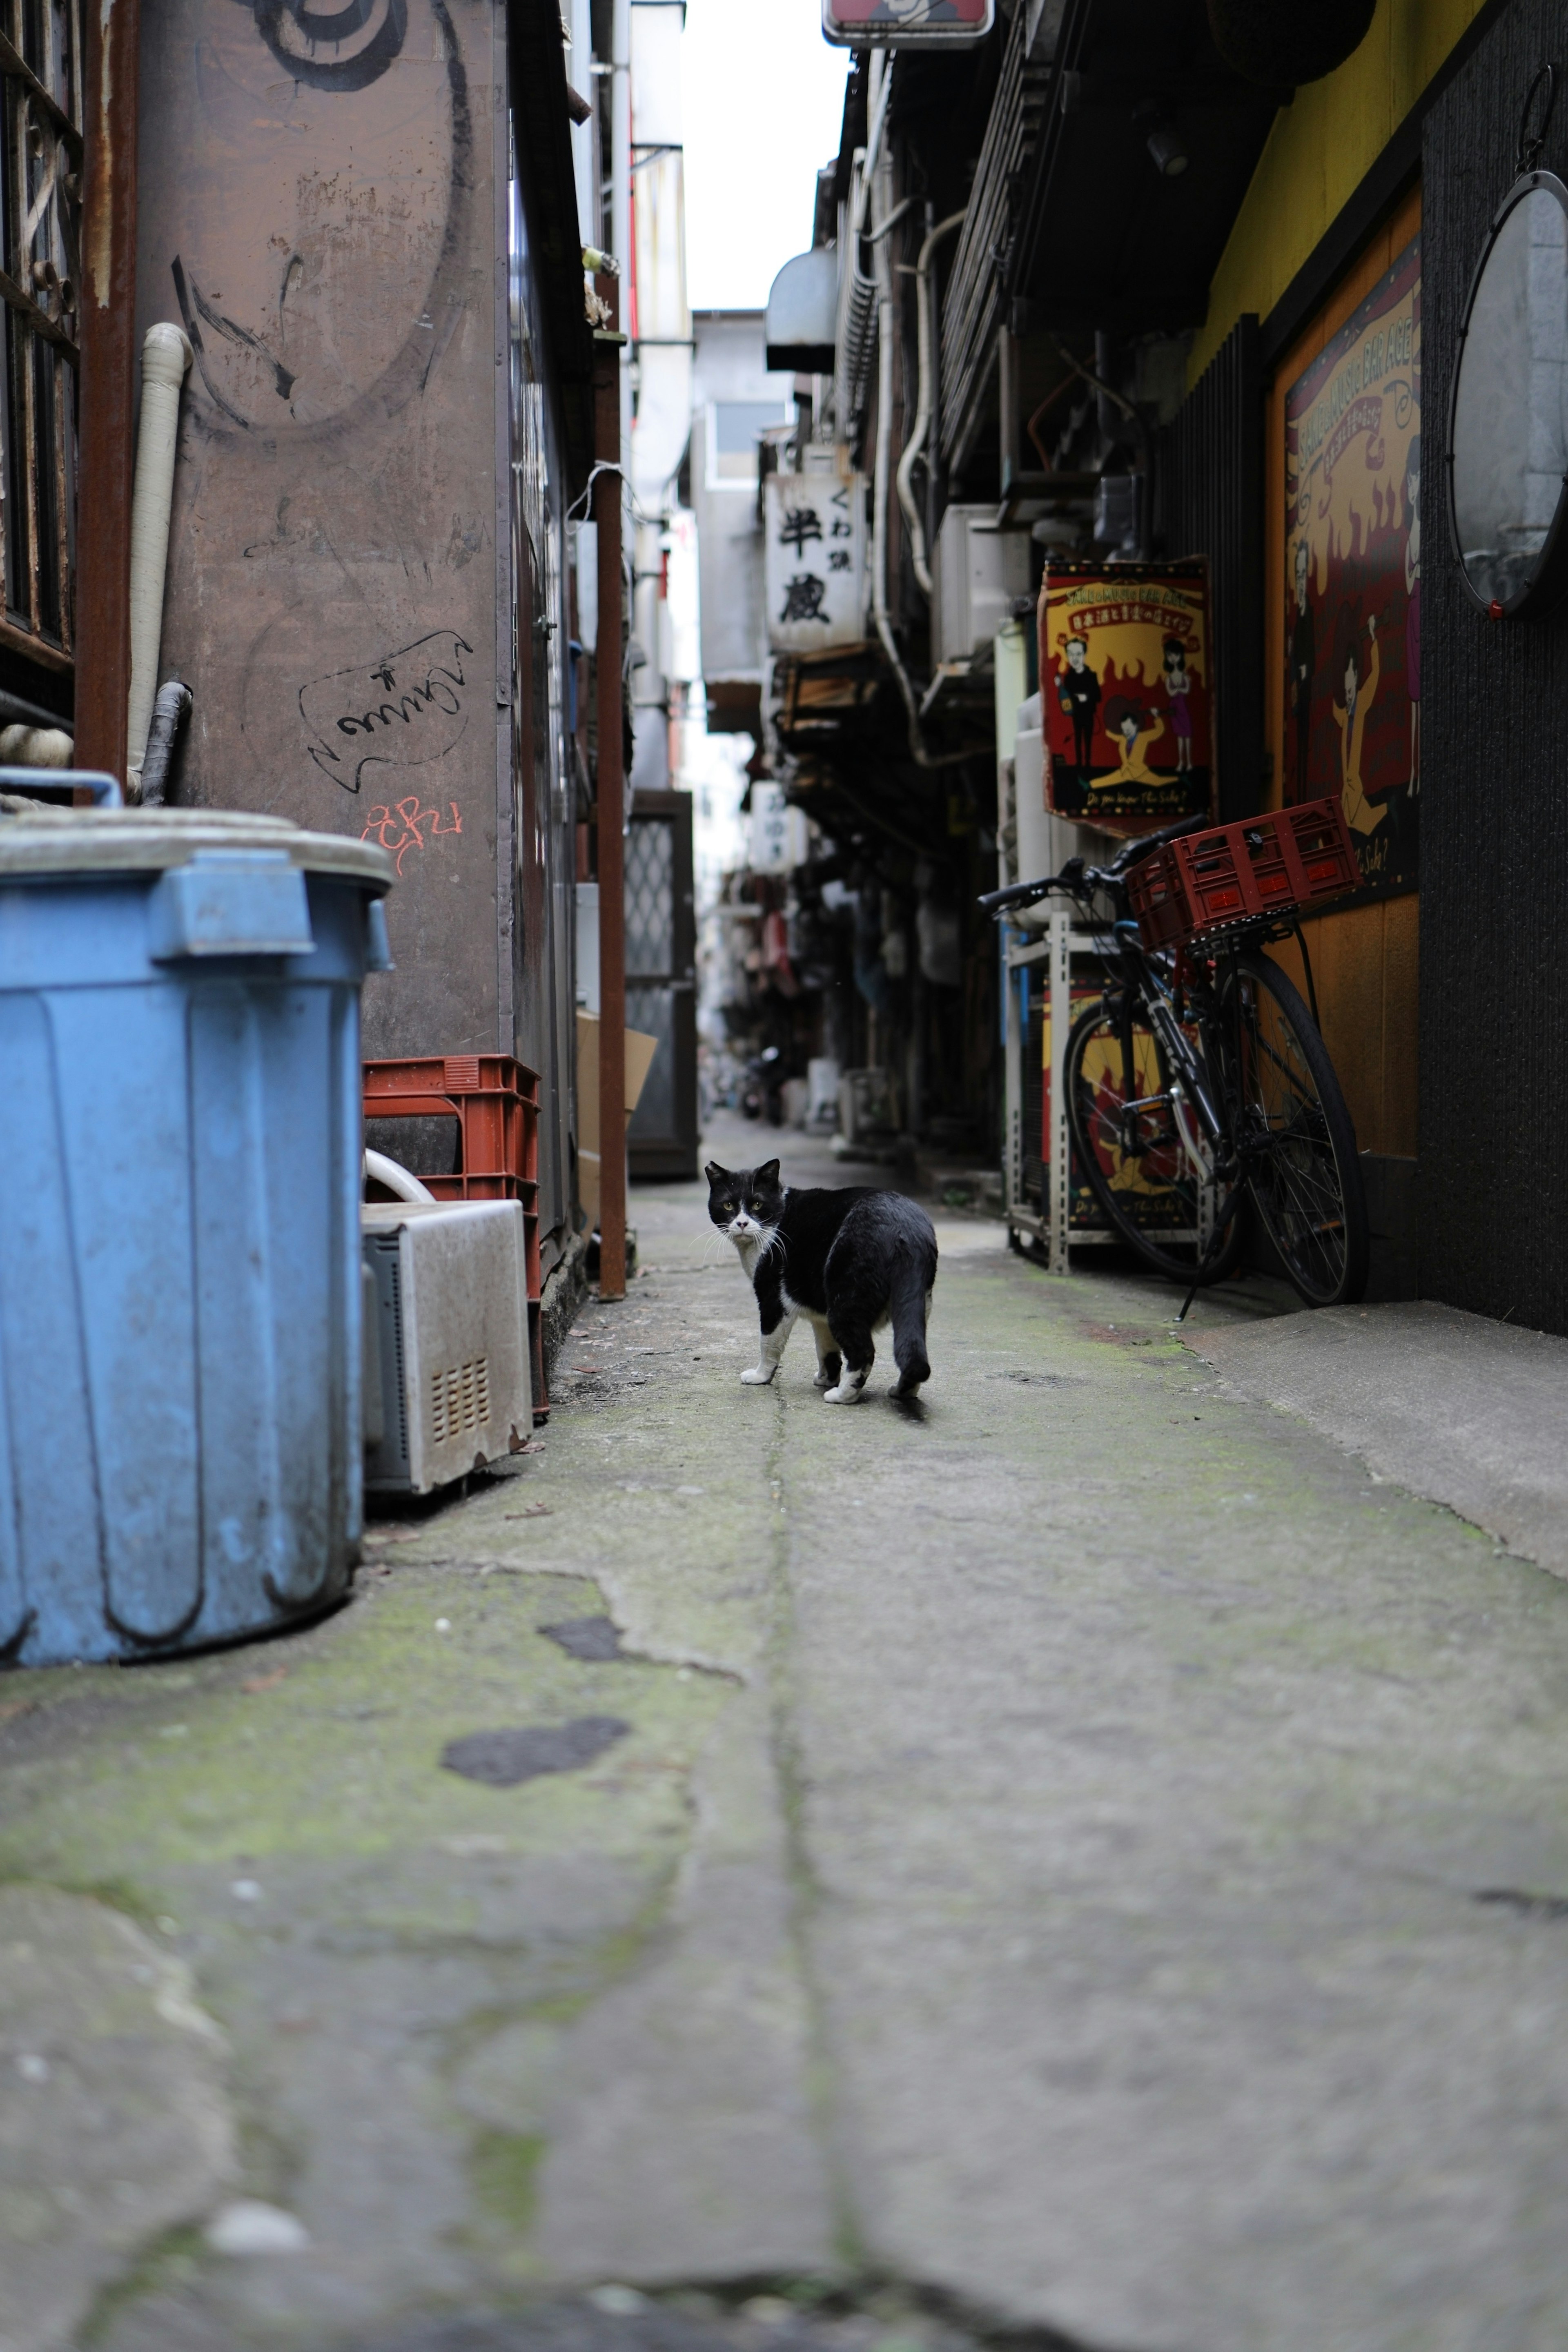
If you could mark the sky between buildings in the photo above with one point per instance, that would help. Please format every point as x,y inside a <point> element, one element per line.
<point>762,102</point>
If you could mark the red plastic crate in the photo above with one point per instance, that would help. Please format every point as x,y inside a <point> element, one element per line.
<point>495,1101</point>
<point>1207,882</point>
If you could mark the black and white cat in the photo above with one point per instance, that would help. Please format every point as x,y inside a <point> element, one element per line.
<point>848,1261</point>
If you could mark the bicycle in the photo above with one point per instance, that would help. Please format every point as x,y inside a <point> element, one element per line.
<point>1199,1078</point>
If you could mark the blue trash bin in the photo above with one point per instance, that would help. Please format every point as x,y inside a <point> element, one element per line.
<point>180,1441</point>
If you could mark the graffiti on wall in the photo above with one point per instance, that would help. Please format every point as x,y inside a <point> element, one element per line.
<point>1352,578</point>
<point>402,710</point>
<point>325,297</point>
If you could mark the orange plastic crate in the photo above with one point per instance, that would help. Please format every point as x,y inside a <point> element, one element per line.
<point>495,1101</point>
<point>1274,865</point>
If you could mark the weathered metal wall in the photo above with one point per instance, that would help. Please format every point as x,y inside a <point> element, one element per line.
<point>1494,818</point>
<point>323,218</point>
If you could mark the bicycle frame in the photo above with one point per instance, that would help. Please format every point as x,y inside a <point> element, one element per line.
<point>1196,1002</point>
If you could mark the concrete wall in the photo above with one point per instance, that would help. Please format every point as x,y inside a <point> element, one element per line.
<point>730,364</point>
<point>1494,824</point>
<point>325,223</point>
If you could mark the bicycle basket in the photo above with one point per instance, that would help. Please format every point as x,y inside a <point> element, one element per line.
<point>1266,867</point>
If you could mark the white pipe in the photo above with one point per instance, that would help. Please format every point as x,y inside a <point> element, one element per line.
<point>882,75</point>
<point>395,1177</point>
<point>165,356</point>
<point>916,442</point>
<point>919,752</point>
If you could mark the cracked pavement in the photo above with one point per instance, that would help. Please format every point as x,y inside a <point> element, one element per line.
<point>1089,1857</point>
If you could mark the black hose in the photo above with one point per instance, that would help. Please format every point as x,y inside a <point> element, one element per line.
<point>170,713</point>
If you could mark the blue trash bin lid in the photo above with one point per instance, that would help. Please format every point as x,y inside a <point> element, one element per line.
<point>40,841</point>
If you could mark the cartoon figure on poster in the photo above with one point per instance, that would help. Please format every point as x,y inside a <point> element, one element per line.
<point>1126,692</point>
<point>1353,568</point>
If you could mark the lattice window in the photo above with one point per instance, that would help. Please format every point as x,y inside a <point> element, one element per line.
<point>40,218</point>
<point>650,898</point>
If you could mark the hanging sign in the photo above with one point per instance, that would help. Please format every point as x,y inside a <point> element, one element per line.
<point>1126,693</point>
<point>1353,577</point>
<point>815,571</point>
<point>907,24</point>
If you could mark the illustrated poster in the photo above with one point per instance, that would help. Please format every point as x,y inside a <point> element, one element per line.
<point>1352,578</point>
<point>1126,691</point>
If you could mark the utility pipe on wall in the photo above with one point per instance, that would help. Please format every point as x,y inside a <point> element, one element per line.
<point>610,796</point>
<point>920,750</point>
<point>621,184</point>
<point>165,356</point>
<point>925,342</point>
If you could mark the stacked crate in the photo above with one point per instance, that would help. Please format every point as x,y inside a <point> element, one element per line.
<point>495,1101</point>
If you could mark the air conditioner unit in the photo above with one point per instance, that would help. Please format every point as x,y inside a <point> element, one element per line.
<point>445,1341</point>
<point>979,570</point>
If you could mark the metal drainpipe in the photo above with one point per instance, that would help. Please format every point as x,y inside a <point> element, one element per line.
<point>608,376</point>
<point>621,183</point>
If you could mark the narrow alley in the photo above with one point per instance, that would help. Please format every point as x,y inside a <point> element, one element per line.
<point>591,588</point>
<point>1076,1855</point>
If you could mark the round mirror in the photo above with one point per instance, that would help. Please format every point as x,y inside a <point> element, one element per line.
<point>1508,436</point>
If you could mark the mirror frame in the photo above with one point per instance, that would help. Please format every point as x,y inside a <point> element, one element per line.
<point>1550,578</point>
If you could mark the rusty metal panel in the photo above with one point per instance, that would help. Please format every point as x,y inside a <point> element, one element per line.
<point>323,227</point>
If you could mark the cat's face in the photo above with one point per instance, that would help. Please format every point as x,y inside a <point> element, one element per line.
<point>744,1202</point>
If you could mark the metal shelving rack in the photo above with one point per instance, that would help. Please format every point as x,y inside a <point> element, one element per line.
<point>1058,947</point>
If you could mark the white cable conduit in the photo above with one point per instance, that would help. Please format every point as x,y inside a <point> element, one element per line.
<point>165,356</point>
<point>919,752</point>
<point>882,74</point>
<point>395,1177</point>
<point>926,340</point>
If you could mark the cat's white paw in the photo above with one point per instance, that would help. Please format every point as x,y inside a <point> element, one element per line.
<point>822,1380</point>
<point>847,1392</point>
<point>758,1376</point>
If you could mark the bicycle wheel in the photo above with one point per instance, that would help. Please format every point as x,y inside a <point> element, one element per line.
<point>1296,1134</point>
<point>1138,1148</point>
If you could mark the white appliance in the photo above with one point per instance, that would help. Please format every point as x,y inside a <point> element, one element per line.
<point>446,1344</point>
<point>1046,842</point>
<point>978,573</point>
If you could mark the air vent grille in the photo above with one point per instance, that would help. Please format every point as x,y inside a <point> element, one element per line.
<point>459,1398</point>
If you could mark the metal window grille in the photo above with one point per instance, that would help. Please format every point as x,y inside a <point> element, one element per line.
<point>40,222</point>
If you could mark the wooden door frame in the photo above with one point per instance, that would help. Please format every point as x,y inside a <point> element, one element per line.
<point>107,390</point>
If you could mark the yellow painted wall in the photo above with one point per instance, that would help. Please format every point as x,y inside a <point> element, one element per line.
<point>1319,149</point>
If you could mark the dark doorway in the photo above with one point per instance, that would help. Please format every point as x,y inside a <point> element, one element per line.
<point>661,982</point>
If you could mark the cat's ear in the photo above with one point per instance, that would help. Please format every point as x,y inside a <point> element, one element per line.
<point>768,1174</point>
<point>715,1174</point>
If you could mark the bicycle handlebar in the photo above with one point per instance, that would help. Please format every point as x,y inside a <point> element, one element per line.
<point>1018,894</point>
<point>1076,879</point>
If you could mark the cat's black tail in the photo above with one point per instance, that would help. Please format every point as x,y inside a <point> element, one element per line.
<point>907,1301</point>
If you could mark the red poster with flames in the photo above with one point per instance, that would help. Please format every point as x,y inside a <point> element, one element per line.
<point>1352,578</point>
<point>1127,692</point>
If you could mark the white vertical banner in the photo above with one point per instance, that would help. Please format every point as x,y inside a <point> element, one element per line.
<point>778,831</point>
<point>816,564</point>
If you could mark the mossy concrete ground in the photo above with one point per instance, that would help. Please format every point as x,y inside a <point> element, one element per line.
<point>1083,1846</point>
